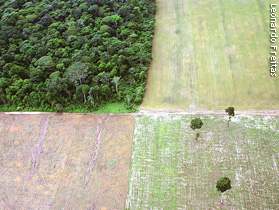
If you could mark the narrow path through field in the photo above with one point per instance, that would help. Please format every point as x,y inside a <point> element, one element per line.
<point>227,44</point>
<point>35,158</point>
<point>95,150</point>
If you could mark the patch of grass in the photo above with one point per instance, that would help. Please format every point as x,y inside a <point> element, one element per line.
<point>170,170</point>
<point>114,107</point>
<point>13,108</point>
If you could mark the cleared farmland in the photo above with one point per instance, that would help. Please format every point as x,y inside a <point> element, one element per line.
<point>212,54</point>
<point>171,170</point>
<point>64,161</point>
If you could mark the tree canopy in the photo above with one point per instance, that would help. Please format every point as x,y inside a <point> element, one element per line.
<point>196,123</point>
<point>49,48</point>
<point>223,184</point>
<point>230,112</point>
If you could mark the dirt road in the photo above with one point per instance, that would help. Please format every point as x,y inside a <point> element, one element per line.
<point>143,112</point>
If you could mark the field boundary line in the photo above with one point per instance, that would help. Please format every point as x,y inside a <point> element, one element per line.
<point>157,112</point>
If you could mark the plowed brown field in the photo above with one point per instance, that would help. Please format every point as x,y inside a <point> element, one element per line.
<point>64,161</point>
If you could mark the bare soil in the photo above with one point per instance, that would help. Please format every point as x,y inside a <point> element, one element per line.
<point>46,159</point>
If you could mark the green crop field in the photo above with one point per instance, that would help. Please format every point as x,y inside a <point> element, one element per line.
<point>212,54</point>
<point>171,170</point>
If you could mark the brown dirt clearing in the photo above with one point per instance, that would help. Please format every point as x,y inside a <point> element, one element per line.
<point>63,156</point>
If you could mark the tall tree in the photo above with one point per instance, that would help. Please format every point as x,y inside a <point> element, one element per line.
<point>230,112</point>
<point>115,80</point>
<point>196,124</point>
<point>223,185</point>
<point>77,72</point>
<point>83,89</point>
<point>57,86</point>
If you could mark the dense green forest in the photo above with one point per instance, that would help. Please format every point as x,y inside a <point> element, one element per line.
<point>67,55</point>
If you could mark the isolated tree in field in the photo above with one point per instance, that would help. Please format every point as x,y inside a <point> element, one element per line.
<point>196,124</point>
<point>223,185</point>
<point>230,112</point>
<point>197,136</point>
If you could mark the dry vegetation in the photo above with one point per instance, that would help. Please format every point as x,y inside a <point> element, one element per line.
<point>211,53</point>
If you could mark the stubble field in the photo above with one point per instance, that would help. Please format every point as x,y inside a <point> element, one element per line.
<point>212,54</point>
<point>171,170</point>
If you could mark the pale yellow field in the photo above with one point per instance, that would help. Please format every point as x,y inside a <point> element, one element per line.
<point>214,54</point>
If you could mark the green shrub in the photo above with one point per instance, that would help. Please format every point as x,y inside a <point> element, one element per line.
<point>31,18</point>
